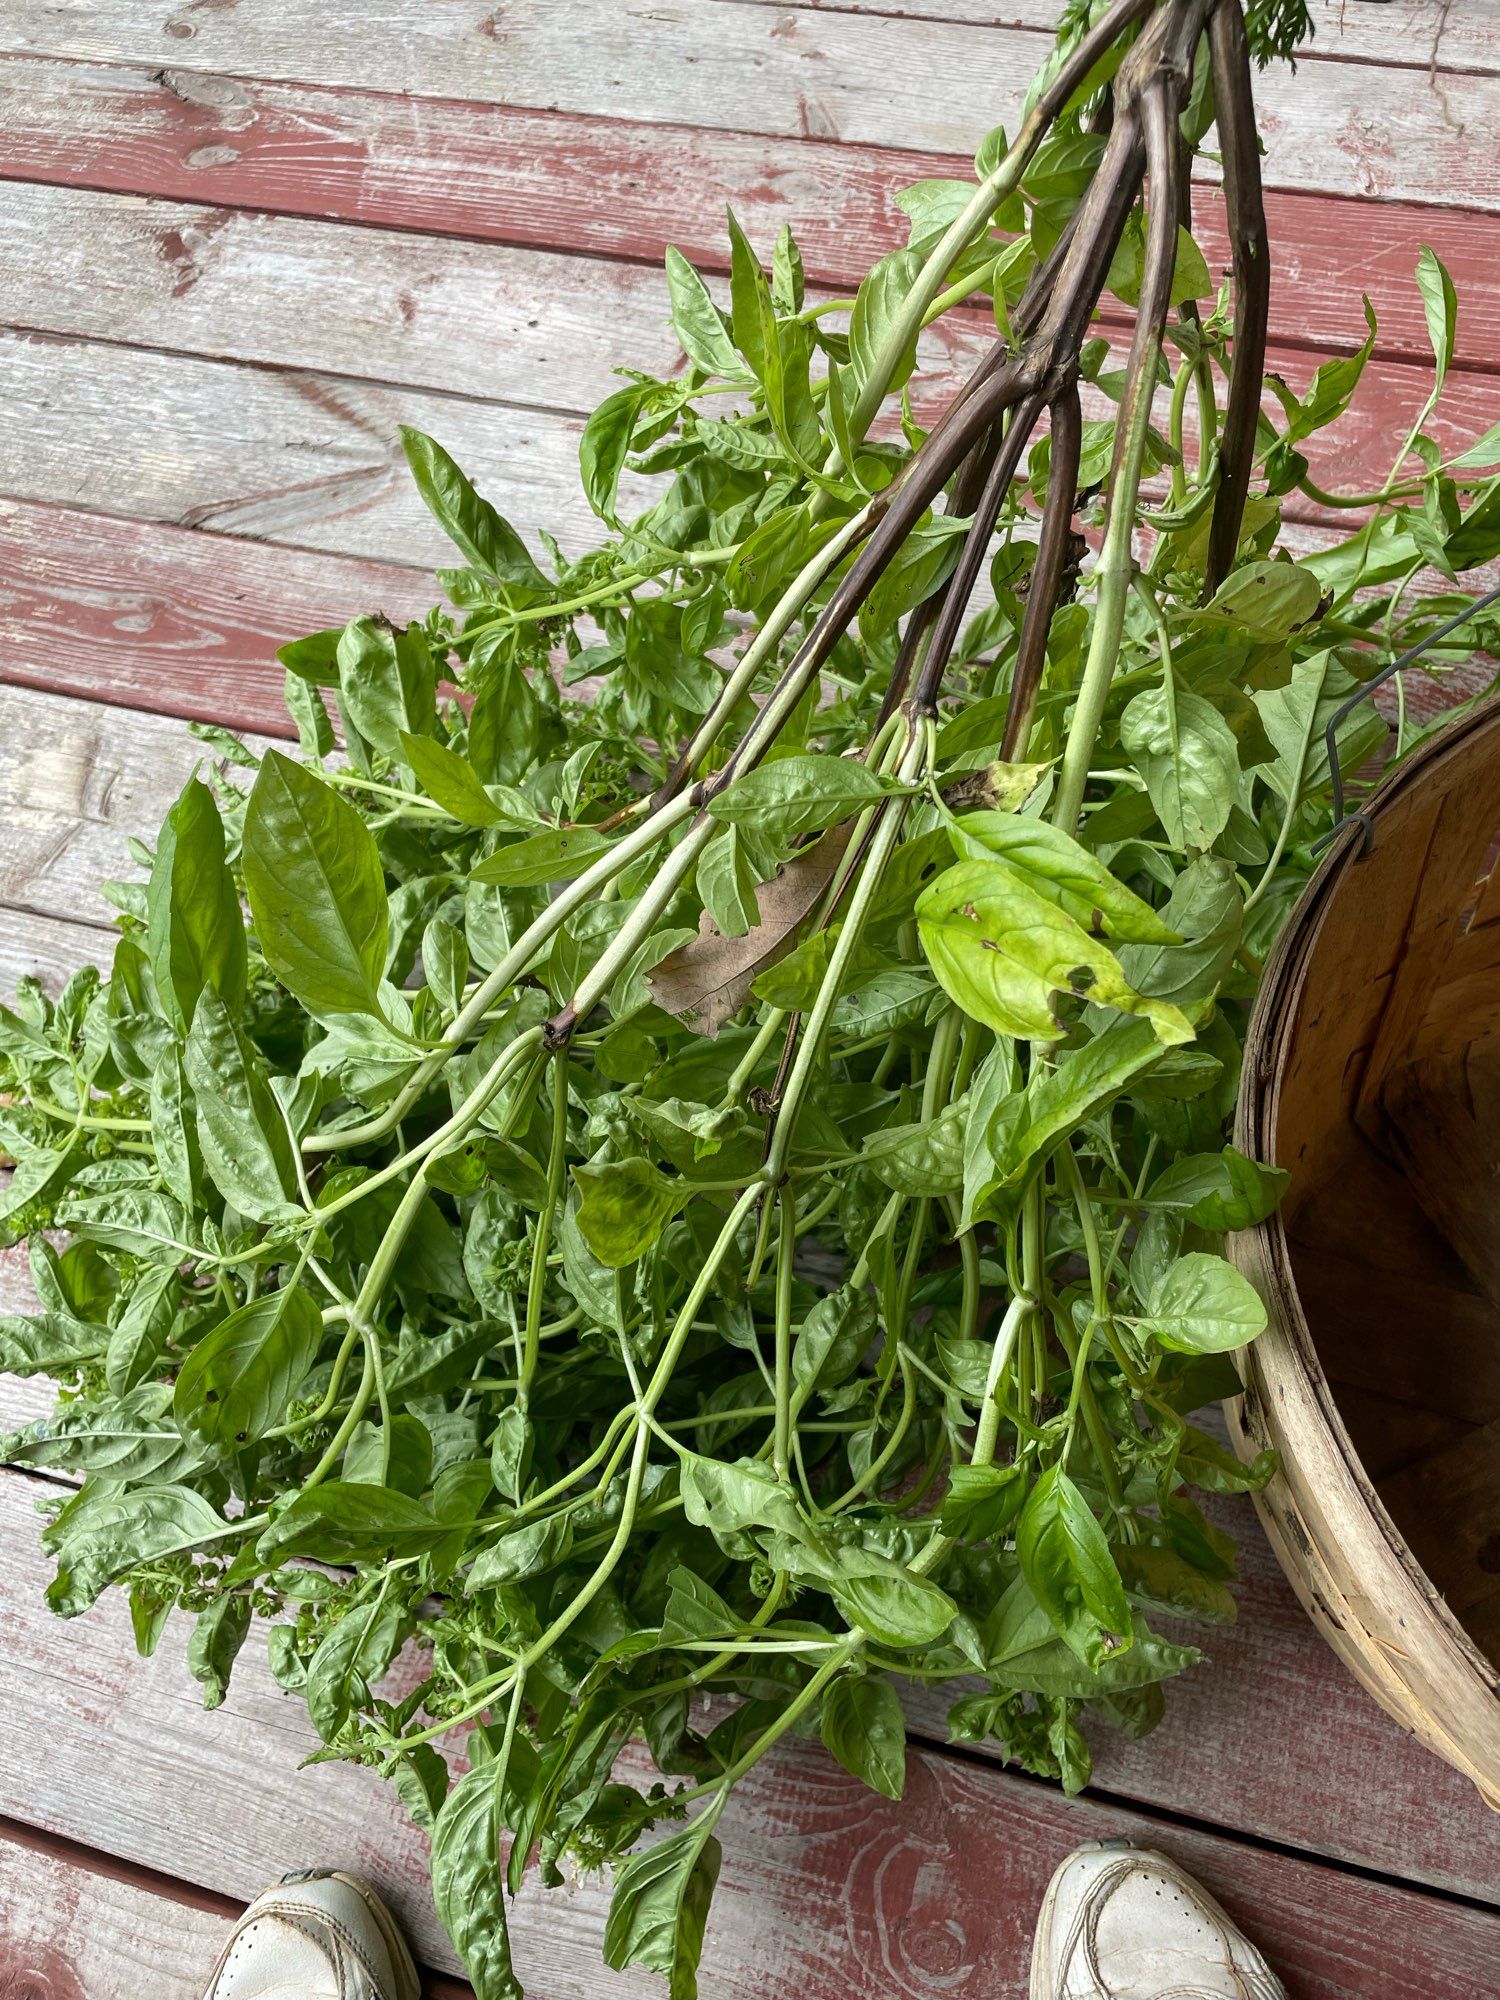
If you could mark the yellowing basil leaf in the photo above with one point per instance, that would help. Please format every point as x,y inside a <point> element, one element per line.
<point>624,1206</point>
<point>1001,951</point>
<point>1054,864</point>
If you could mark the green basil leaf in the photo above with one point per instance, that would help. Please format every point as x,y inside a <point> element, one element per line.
<point>1187,754</point>
<point>1440,303</point>
<point>799,794</point>
<point>727,1498</point>
<point>468,1882</point>
<point>246,1150</point>
<point>453,783</point>
<point>350,1522</point>
<point>486,538</point>
<point>554,856</point>
<point>1067,1562</point>
<point>1202,1305</point>
<point>659,1910</point>
<point>387,684</point>
<point>698,322</point>
<point>317,890</point>
<point>195,931</point>
<point>864,1728</point>
<point>1219,1190</point>
<point>899,1611</point>
<point>107,1529</point>
<point>239,1380</point>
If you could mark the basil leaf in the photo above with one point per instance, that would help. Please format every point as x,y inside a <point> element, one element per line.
<point>246,1151</point>
<point>799,794</point>
<point>1187,754</point>
<point>238,1381</point>
<point>195,931</point>
<point>486,538</point>
<point>659,1910</point>
<point>1066,1560</point>
<point>1054,865</point>
<point>387,685</point>
<point>317,890</point>
<point>554,856</point>
<point>863,1727</point>
<point>468,1880</point>
<point>697,321</point>
<point>1202,1305</point>
<point>344,1522</point>
<point>1001,950</point>
<point>624,1206</point>
<point>1219,1190</point>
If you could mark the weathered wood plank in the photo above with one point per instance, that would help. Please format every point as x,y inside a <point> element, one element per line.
<point>287,457</point>
<point>1329,126</point>
<point>514,326</point>
<point>302,458</point>
<point>78,781</point>
<point>78,1926</point>
<point>1239,1736</point>
<point>1460,34</point>
<point>171,619</point>
<point>826,1887</point>
<point>624,189</point>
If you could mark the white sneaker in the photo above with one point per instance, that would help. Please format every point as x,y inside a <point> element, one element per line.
<point>315,1937</point>
<point>1124,1923</point>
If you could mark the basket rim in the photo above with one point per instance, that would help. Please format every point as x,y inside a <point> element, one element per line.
<point>1313,1423</point>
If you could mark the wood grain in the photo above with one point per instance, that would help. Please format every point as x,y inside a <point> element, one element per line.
<point>310,460</point>
<point>826,1887</point>
<point>169,619</point>
<point>621,188</point>
<point>785,73</point>
<point>78,782</point>
<point>1405,33</point>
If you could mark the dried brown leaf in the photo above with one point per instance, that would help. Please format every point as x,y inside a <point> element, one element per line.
<point>707,980</point>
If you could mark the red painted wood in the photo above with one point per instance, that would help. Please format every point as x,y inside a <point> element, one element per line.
<point>826,1889</point>
<point>169,619</point>
<point>609,188</point>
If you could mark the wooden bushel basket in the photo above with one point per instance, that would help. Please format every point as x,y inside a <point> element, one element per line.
<point>1372,1072</point>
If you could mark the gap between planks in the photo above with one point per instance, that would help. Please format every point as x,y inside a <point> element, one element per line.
<point>620,189</point>
<point>1414,34</point>
<point>781,73</point>
<point>313,461</point>
<point>826,1887</point>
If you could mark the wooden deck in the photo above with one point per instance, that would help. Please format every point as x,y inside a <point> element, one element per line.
<point>241,241</point>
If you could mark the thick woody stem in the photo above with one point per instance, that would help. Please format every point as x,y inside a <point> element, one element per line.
<point>1053,548</point>
<point>1234,105</point>
<point>955,601</point>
